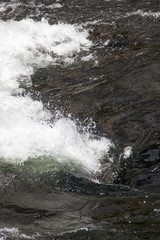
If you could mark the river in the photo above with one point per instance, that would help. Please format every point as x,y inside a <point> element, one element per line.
<point>79,119</point>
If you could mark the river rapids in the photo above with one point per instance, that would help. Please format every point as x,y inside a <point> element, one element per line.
<point>79,119</point>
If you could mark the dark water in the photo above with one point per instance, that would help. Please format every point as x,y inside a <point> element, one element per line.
<point>120,91</point>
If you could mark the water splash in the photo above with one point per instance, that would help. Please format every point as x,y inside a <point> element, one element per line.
<point>27,130</point>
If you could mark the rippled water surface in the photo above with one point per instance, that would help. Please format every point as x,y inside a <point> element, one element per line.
<point>79,119</point>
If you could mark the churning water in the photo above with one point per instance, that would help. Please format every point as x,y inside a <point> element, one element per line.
<point>59,177</point>
<point>27,130</point>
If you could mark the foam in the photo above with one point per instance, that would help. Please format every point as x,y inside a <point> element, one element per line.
<point>26,45</point>
<point>14,4</point>
<point>145,14</point>
<point>27,130</point>
<point>6,233</point>
<point>127,152</point>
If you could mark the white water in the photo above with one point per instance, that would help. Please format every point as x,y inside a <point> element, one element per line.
<point>127,152</point>
<point>9,233</point>
<point>25,128</point>
<point>14,4</point>
<point>145,14</point>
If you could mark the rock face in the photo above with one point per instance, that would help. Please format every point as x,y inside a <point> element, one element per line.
<point>120,90</point>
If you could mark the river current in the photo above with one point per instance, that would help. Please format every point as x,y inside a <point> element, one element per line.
<point>79,119</point>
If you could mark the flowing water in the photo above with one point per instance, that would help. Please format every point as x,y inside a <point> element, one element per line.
<point>79,119</point>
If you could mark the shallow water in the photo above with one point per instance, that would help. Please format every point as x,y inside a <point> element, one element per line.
<point>79,119</point>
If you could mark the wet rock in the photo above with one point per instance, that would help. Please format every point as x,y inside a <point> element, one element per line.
<point>121,93</point>
<point>64,215</point>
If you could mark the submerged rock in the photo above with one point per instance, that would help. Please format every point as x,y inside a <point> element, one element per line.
<point>121,93</point>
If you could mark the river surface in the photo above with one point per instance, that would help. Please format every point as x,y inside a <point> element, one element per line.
<point>79,119</point>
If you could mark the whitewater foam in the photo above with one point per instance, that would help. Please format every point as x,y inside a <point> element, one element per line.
<point>9,233</point>
<point>14,4</point>
<point>26,45</point>
<point>145,14</point>
<point>27,130</point>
